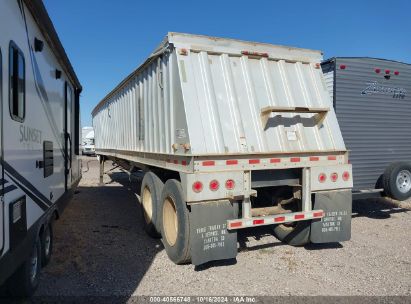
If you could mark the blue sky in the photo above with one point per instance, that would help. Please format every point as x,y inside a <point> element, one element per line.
<point>105,40</point>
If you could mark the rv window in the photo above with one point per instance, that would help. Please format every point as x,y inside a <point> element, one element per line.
<point>17,83</point>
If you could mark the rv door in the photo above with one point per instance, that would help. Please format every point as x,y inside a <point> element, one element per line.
<point>68,145</point>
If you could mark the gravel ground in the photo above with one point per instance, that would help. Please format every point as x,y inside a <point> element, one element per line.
<point>100,249</point>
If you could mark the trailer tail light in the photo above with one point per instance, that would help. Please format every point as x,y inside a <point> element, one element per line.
<point>229,184</point>
<point>214,185</point>
<point>377,71</point>
<point>322,177</point>
<point>346,176</point>
<point>387,72</point>
<point>197,187</point>
<point>396,73</point>
<point>334,177</point>
<point>342,66</point>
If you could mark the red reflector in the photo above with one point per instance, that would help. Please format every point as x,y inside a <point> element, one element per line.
<point>377,71</point>
<point>396,73</point>
<point>322,177</point>
<point>334,177</point>
<point>214,185</point>
<point>314,158</point>
<point>299,216</point>
<point>275,160</point>
<point>253,161</point>
<point>279,219</point>
<point>332,158</point>
<point>229,184</point>
<point>208,163</point>
<point>295,159</point>
<point>346,176</point>
<point>184,163</point>
<point>236,224</point>
<point>231,162</point>
<point>317,214</point>
<point>387,72</point>
<point>197,187</point>
<point>342,66</point>
<point>258,222</point>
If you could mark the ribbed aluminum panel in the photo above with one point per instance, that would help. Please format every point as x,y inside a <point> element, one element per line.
<point>375,124</point>
<point>208,96</point>
<point>328,71</point>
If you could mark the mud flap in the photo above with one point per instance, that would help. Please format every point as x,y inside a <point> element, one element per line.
<point>209,237</point>
<point>335,226</point>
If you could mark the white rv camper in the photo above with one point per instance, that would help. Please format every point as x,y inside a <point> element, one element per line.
<point>39,109</point>
<point>213,122</point>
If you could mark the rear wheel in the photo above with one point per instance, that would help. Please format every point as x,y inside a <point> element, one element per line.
<point>150,194</point>
<point>175,223</point>
<point>296,233</point>
<point>397,180</point>
<point>25,280</point>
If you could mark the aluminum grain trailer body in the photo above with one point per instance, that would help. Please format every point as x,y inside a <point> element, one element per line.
<point>372,100</point>
<point>230,134</point>
<point>39,96</point>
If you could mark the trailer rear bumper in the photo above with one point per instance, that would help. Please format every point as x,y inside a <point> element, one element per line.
<point>275,219</point>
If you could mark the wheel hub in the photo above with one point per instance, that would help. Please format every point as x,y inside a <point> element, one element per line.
<point>404,181</point>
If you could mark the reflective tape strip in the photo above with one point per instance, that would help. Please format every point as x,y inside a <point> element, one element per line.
<point>275,219</point>
<point>267,163</point>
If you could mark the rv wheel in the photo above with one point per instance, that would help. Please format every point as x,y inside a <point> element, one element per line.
<point>175,223</point>
<point>151,188</point>
<point>46,244</point>
<point>25,280</point>
<point>397,180</point>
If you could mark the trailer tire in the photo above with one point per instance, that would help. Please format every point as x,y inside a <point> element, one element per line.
<point>151,188</point>
<point>24,282</point>
<point>298,235</point>
<point>47,244</point>
<point>175,227</point>
<point>397,180</point>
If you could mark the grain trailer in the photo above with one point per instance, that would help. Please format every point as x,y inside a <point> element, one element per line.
<point>230,135</point>
<point>371,98</point>
<point>39,127</point>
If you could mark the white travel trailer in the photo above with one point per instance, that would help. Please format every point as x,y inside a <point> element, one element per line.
<point>213,122</point>
<point>39,110</point>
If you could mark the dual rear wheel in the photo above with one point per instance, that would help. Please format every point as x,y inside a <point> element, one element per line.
<point>165,215</point>
<point>24,282</point>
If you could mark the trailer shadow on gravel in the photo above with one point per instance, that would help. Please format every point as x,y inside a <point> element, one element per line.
<point>100,249</point>
<point>376,208</point>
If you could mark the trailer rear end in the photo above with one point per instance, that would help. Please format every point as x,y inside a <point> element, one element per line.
<point>231,135</point>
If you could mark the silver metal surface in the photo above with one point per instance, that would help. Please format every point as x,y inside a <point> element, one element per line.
<point>203,96</point>
<point>306,190</point>
<point>374,119</point>
<point>403,181</point>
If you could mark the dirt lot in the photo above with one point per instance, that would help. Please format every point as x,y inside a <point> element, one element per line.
<point>100,249</point>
